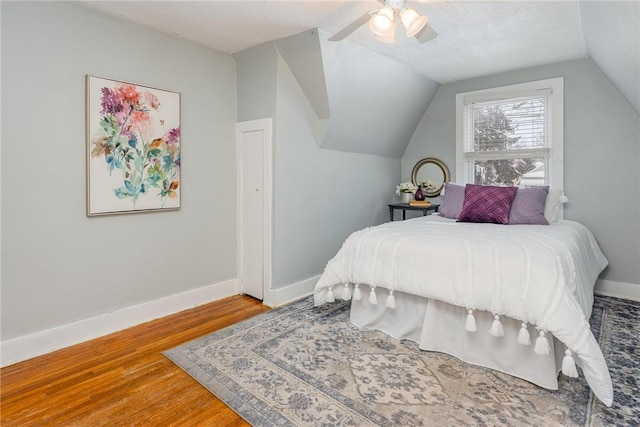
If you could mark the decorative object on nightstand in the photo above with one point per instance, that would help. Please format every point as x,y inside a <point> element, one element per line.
<point>419,196</point>
<point>431,174</point>
<point>428,187</point>
<point>406,190</point>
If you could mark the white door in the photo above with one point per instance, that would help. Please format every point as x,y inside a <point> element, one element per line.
<point>254,140</point>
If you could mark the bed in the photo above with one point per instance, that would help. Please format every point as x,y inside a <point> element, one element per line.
<point>516,298</point>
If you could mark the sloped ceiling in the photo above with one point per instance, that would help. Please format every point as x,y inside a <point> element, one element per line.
<point>612,33</point>
<point>356,110</point>
<point>475,38</point>
<point>376,103</point>
<point>303,55</point>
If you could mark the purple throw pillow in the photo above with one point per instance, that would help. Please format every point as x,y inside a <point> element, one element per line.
<point>452,200</point>
<point>528,206</point>
<point>486,203</point>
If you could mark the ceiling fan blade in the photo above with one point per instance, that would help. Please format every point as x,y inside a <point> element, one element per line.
<point>426,34</point>
<point>352,27</point>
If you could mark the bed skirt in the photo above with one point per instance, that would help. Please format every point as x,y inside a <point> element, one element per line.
<point>438,326</point>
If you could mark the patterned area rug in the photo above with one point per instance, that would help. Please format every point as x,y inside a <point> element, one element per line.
<point>301,365</point>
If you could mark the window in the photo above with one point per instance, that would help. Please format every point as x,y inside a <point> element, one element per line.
<point>511,135</point>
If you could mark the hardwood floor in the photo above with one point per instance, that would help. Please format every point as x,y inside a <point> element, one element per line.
<point>123,379</point>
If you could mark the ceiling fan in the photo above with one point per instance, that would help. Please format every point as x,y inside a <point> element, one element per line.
<point>382,22</point>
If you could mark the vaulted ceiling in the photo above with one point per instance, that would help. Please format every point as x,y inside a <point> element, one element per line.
<point>475,38</point>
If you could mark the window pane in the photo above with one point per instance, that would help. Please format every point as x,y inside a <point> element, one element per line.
<point>510,172</point>
<point>509,125</point>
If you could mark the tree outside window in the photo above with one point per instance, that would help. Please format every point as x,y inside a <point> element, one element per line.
<point>511,135</point>
<point>495,131</point>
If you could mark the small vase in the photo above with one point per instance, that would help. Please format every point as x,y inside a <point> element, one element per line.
<point>406,197</point>
<point>419,194</point>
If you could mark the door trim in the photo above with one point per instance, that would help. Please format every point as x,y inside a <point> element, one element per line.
<point>266,126</point>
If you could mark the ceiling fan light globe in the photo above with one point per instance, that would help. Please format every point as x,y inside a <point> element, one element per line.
<point>412,21</point>
<point>390,37</point>
<point>382,22</point>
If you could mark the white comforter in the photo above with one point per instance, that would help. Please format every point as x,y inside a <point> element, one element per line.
<point>543,275</point>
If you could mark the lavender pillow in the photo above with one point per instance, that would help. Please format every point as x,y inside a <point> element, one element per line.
<point>452,200</point>
<point>486,203</point>
<point>528,206</point>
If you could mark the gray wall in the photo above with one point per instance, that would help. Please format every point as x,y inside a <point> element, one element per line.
<point>321,196</point>
<point>256,70</point>
<point>601,150</point>
<point>58,265</point>
<point>376,102</point>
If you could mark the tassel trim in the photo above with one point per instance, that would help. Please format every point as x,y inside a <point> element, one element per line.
<point>346,294</point>
<point>496,327</point>
<point>569,365</point>
<point>470,324</point>
<point>564,198</point>
<point>524,337</point>
<point>330,296</point>
<point>391,300</point>
<point>357,294</point>
<point>542,345</point>
<point>373,299</point>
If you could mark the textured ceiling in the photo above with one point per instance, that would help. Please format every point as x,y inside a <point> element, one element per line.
<point>475,38</point>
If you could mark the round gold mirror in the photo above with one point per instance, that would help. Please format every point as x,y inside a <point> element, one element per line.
<point>432,172</point>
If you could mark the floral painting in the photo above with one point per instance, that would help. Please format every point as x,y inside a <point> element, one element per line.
<point>133,148</point>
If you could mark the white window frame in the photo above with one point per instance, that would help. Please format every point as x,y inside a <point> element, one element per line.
<point>555,179</point>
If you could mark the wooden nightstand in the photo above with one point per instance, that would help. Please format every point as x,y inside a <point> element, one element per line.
<point>406,207</point>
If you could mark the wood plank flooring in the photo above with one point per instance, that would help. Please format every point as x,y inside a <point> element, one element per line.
<point>122,379</point>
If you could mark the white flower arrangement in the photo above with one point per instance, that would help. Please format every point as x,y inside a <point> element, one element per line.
<point>406,187</point>
<point>429,185</point>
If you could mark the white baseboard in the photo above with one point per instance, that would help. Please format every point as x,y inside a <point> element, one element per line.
<point>622,290</point>
<point>295,291</point>
<point>39,343</point>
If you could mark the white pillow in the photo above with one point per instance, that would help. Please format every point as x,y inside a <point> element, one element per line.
<point>553,206</point>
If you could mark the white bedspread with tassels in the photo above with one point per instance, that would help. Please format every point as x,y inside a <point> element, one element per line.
<point>542,275</point>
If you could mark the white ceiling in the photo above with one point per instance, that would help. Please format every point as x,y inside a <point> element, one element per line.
<point>475,38</point>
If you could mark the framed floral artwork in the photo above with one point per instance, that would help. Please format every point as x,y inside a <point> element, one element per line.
<point>133,148</point>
